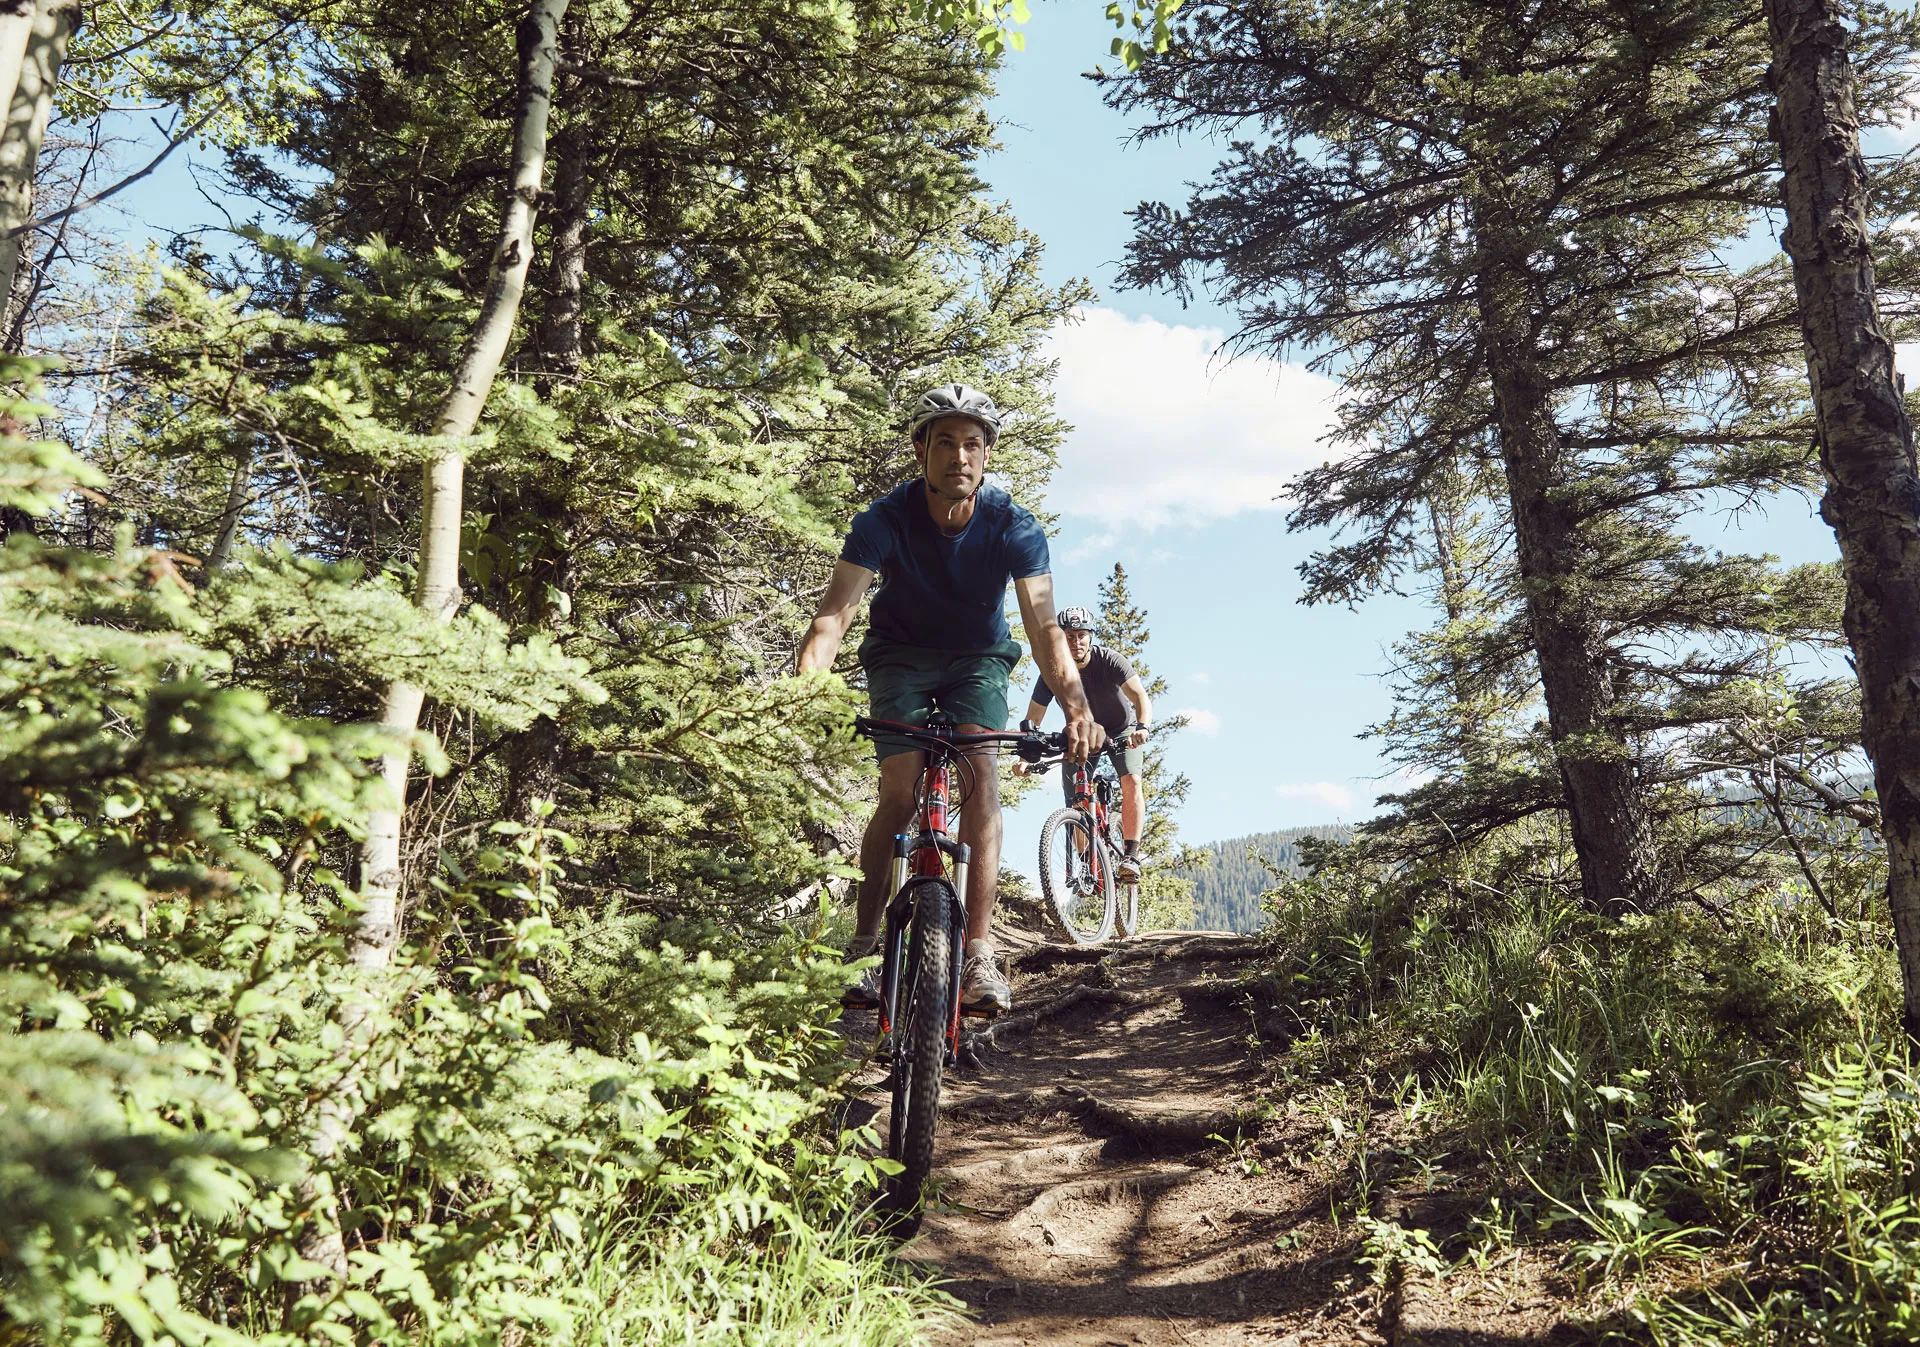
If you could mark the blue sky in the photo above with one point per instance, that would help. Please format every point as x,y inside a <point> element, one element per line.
<point>1173,469</point>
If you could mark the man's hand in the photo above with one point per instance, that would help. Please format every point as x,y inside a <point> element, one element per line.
<point>1021,767</point>
<point>1137,737</point>
<point>1084,737</point>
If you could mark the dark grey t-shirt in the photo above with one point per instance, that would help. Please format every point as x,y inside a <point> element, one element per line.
<point>1103,677</point>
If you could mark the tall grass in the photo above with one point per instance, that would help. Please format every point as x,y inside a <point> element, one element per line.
<point>1722,1087</point>
<point>826,1284</point>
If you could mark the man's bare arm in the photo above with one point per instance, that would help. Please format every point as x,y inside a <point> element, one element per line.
<point>845,588</point>
<point>1136,692</point>
<point>1050,652</point>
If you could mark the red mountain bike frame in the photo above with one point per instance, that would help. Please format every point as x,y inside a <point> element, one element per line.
<point>920,872</point>
<point>920,875</point>
<point>919,859</point>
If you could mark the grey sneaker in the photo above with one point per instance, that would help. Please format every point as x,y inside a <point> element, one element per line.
<point>983,990</point>
<point>1128,871</point>
<point>863,993</point>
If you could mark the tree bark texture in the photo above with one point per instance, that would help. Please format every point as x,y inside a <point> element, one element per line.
<point>1865,438</point>
<point>52,27</point>
<point>237,497</point>
<point>1612,836</point>
<point>534,754</point>
<point>16,26</point>
<point>377,930</point>
<point>560,343</point>
<point>438,588</point>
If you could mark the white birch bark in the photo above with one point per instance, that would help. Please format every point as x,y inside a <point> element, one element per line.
<point>43,52</point>
<point>438,587</point>
<point>16,22</point>
<point>437,591</point>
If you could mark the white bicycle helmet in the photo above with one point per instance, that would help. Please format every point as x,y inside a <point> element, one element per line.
<point>955,400</point>
<point>1075,619</point>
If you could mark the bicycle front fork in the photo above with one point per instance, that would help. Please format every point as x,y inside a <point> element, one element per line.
<point>899,922</point>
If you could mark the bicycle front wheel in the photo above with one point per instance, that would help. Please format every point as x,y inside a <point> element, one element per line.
<point>1127,910</point>
<point>920,1052</point>
<point>1076,877</point>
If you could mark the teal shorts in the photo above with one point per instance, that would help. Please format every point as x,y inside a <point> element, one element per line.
<point>908,683</point>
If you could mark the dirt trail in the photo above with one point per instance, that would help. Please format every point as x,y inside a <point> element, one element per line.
<point>1082,1203</point>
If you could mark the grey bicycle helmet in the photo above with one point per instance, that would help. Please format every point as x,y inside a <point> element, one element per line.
<point>955,400</point>
<point>1075,619</point>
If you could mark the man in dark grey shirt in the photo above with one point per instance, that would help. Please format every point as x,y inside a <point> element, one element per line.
<point>1117,698</point>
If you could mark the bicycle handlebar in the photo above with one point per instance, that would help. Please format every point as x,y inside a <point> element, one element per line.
<point>1030,745</point>
<point>1059,755</point>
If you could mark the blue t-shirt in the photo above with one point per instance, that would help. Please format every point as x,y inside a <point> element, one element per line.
<point>940,592</point>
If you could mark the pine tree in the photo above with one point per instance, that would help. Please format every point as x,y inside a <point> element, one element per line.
<point>1166,896</point>
<point>1508,229</point>
<point>1863,431</point>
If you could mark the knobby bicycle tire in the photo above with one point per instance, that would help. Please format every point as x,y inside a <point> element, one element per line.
<point>920,1051</point>
<point>1126,908</point>
<point>1065,885</point>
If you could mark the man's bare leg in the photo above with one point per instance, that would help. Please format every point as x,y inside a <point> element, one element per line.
<point>1133,808</point>
<point>980,829</point>
<point>893,813</point>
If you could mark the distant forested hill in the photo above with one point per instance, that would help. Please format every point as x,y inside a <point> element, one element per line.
<point>1226,892</point>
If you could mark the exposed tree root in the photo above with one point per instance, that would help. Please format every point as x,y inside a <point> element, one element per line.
<point>1187,947</point>
<point>1150,1129</point>
<point>1114,1188</point>
<point>1185,1128</point>
<point>1212,993</point>
<point>1198,945</point>
<point>1042,957</point>
<point>1009,1025</point>
<point>1009,1104</point>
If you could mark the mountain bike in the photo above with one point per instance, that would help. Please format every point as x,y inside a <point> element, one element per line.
<point>1080,851</point>
<point>923,945</point>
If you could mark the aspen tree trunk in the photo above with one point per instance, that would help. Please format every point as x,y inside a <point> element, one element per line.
<point>1865,439</point>
<point>16,22</point>
<point>1612,836</point>
<point>1443,517</point>
<point>230,516</point>
<point>437,591</point>
<point>52,26</point>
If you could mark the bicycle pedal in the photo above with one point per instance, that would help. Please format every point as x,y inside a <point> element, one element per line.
<point>979,1013</point>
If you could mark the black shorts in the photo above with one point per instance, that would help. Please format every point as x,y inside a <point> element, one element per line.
<point>1126,762</point>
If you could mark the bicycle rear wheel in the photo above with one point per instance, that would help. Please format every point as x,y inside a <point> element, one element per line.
<point>920,1052</point>
<point>1076,877</point>
<point>1126,909</point>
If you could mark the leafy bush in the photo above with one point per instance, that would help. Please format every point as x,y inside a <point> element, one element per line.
<point>655,1165</point>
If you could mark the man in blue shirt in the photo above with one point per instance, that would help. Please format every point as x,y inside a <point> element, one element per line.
<point>944,547</point>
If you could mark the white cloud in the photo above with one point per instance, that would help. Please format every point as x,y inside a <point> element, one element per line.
<point>1201,678</point>
<point>1169,431</point>
<point>1201,722</point>
<point>1334,797</point>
